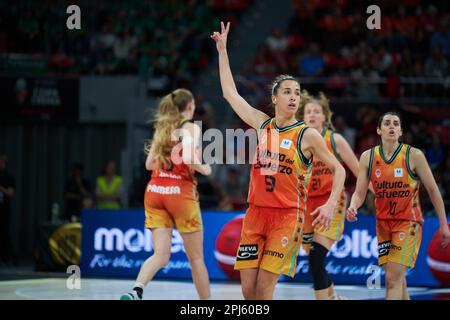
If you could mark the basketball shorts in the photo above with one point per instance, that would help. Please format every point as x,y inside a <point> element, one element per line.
<point>270,240</point>
<point>398,241</point>
<point>169,203</point>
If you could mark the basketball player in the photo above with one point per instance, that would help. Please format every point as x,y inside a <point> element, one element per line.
<point>280,173</point>
<point>317,114</point>
<point>395,171</point>
<point>171,197</point>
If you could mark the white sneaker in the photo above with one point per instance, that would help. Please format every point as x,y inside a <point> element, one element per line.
<point>338,297</point>
<point>130,296</point>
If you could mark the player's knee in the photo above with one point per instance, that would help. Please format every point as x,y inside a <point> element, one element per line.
<point>248,291</point>
<point>317,269</point>
<point>162,259</point>
<point>261,287</point>
<point>195,257</point>
<point>394,279</point>
<point>196,261</point>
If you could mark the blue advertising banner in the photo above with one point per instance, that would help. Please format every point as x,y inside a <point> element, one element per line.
<point>115,244</point>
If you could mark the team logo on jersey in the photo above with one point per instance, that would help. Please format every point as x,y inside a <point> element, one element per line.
<point>378,173</point>
<point>285,144</point>
<point>401,236</point>
<point>284,241</point>
<point>398,172</point>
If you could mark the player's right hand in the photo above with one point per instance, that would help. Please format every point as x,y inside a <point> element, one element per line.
<point>324,214</point>
<point>352,214</point>
<point>221,38</point>
<point>445,235</point>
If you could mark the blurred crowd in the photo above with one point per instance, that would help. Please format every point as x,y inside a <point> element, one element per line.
<point>328,40</point>
<point>165,41</point>
<point>168,43</point>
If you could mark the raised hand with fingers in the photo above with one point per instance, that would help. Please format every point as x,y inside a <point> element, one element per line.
<point>221,38</point>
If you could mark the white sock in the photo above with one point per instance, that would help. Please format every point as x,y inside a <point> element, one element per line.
<point>139,285</point>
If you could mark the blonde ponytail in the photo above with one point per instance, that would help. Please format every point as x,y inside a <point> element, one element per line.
<point>167,118</point>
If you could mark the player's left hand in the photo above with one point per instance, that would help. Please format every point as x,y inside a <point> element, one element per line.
<point>324,214</point>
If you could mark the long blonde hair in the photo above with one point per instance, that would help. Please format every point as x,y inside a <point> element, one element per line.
<point>322,101</point>
<point>167,118</point>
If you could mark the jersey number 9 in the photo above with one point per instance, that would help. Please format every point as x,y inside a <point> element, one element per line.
<point>270,183</point>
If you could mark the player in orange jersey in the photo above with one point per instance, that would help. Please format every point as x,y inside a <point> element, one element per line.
<point>272,227</point>
<point>171,197</point>
<point>317,114</point>
<point>395,171</point>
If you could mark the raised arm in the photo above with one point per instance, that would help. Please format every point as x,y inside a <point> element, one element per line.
<point>253,117</point>
<point>420,166</point>
<point>314,145</point>
<point>362,183</point>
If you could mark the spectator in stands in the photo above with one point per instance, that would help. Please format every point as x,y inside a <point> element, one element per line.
<point>109,188</point>
<point>348,133</point>
<point>108,65</point>
<point>312,64</point>
<point>436,65</point>
<point>203,112</point>
<point>435,153</point>
<point>441,38</point>
<point>123,48</point>
<point>78,194</point>
<point>384,60</point>
<point>278,44</point>
<point>365,82</point>
<point>233,188</point>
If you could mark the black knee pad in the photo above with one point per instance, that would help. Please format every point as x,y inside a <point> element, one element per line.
<point>317,269</point>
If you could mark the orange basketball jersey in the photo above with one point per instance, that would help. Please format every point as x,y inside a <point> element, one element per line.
<point>280,172</point>
<point>396,186</point>
<point>321,175</point>
<point>176,171</point>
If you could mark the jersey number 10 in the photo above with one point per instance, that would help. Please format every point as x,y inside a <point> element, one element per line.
<point>392,207</point>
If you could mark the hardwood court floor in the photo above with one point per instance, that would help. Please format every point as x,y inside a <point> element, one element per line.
<point>111,289</point>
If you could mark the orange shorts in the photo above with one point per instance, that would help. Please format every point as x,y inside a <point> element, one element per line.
<point>170,202</point>
<point>398,241</point>
<point>336,223</point>
<point>270,240</point>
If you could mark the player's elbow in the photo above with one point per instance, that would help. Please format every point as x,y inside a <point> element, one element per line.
<point>230,95</point>
<point>433,191</point>
<point>339,170</point>
<point>206,170</point>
